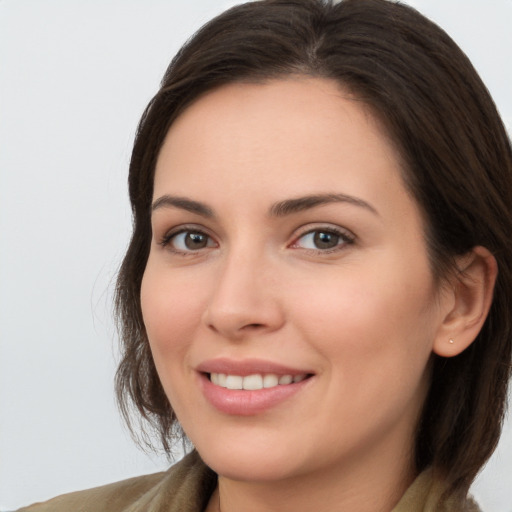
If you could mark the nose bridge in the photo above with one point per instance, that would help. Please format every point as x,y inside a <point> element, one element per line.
<point>243,299</point>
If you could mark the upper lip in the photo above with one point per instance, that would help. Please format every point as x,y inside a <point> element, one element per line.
<point>246,367</point>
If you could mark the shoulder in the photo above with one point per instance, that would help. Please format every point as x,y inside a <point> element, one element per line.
<point>426,494</point>
<point>114,496</point>
<point>186,486</point>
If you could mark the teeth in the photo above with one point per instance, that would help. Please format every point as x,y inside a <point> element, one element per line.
<point>222,380</point>
<point>285,379</point>
<point>270,380</point>
<point>254,382</point>
<point>234,382</point>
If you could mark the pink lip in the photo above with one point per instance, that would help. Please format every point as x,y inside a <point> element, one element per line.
<point>247,367</point>
<point>245,402</point>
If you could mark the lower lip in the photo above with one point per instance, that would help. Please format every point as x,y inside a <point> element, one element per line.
<point>241,402</point>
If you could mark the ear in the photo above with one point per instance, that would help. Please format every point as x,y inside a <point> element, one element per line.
<point>466,301</point>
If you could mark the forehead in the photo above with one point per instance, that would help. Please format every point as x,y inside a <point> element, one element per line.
<point>282,137</point>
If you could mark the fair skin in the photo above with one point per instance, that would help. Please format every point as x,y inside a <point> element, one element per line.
<point>335,290</point>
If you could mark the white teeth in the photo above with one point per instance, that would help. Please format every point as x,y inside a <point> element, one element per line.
<point>254,382</point>
<point>285,379</point>
<point>270,380</point>
<point>234,382</point>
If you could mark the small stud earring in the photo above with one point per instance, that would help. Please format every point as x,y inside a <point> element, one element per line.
<point>451,341</point>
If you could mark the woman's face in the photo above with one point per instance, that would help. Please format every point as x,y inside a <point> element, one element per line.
<point>286,248</point>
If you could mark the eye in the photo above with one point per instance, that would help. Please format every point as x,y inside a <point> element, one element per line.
<point>188,240</point>
<point>323,239</point>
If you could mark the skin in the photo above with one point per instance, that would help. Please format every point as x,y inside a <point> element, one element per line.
<point>364,316</point>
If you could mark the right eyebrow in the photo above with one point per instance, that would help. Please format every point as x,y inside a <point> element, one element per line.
<point>182,203</point>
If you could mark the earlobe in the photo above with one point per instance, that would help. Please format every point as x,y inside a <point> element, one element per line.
<point>471,292</point>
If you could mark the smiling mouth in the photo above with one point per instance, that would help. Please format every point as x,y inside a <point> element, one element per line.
<point>255,381</point>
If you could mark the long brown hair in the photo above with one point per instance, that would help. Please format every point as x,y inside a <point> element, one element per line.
<point>457,164</point>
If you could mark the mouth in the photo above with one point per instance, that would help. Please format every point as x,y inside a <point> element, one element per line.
<point>251,386</point>
<point>256,381</point>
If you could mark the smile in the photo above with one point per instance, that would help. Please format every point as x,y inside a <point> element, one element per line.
<point>251,386</point>
<point>254,382</point>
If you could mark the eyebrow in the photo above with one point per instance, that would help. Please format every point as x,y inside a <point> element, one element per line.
<point>279,209</point>
<point>183,204</point>
<point>289,206</point>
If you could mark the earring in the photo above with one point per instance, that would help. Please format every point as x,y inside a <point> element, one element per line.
<point>451,341</point>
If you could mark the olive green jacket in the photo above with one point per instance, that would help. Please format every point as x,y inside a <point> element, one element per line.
<point>188,485</point>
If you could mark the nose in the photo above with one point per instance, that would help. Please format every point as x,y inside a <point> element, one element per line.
<point>245,300</point>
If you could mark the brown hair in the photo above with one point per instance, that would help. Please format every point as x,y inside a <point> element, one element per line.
<point>457,164</point>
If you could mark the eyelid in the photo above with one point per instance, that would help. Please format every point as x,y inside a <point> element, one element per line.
<point>346,235</point>
<point>169,235</point>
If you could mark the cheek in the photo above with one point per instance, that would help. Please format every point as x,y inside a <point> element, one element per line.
<point>375,336</point>
<point>171,309</point>
<point>376,320</point>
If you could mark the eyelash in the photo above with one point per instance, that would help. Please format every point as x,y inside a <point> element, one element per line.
<point>345,236</point>
<point>169,236</point>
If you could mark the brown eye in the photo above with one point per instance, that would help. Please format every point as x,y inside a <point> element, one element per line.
<point>194,241</point>
<point>189,241</point>
<point>325,240</point>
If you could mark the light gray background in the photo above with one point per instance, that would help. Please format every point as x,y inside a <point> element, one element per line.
<point>74,79</point>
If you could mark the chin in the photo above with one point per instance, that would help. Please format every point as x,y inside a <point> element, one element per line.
<point>250,459</point>
<point>242,467</point>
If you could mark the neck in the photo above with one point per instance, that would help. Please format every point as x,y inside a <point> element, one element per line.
<point>367,488</point>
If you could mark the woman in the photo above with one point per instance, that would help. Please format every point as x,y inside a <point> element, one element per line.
<point>317,286</point>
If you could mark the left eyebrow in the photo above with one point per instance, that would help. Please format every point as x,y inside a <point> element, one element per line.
<point>183,203</point>
<point>290,206</point>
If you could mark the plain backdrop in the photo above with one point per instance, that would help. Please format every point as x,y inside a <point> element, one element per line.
<point>74,79</point>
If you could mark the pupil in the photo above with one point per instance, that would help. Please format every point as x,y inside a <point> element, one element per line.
<point>326,240</point>
<point>195,241</point>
